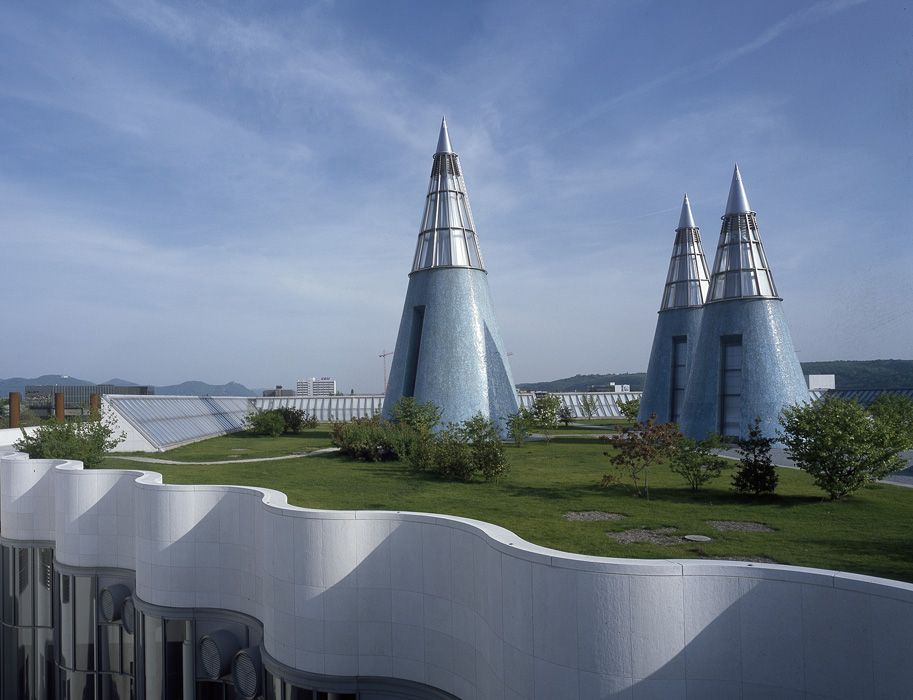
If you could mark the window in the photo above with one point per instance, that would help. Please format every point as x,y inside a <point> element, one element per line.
<point>731,385</point>
<point>679,376</point>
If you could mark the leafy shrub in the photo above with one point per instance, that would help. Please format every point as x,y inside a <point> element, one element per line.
<point>588,406</point>
<point>520,425</point>
<point>842,445</point>
<point>423,417</point>
<point>462,451</point>
<point>269,423</point>
<point>85,440</point>
<point>565,415</point>
<point>366,439</point>
<point>694,462</point>
<point>756,473</point>
<point>296,419</point>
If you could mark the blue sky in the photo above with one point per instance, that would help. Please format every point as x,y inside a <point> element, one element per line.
<point>232,191</point>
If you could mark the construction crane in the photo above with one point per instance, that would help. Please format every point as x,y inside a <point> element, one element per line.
<point>384,356</point>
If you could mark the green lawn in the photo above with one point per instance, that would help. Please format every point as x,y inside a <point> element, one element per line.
<point>866,533</point>
<point>245,446</point>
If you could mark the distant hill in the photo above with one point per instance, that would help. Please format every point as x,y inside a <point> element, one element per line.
<point>588,382</point>
<point>192,388</point>
<point>865,374</point>
<point>849,374</point>
<point>18,383</point>
<point>204,389</point>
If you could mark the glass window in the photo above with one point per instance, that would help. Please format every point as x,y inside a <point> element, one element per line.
<point>679,376</point>
<point>176,631</point>
<point>75,685</point>
<point>153,660</point>
<point>65,621</point>
<point>731,386</point>
<point>45,668</point>
<point>84,614</point>
<point>9,568</point>
<point>109,648</point>
<point>44,587</point>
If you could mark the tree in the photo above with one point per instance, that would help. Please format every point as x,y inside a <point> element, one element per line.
<point>694,462</point>
<point>85,440</point>
<point>639,447</point>
<point>565,415</point>
<point>756,473</point>
<point>588,406</point>
<point>520,425</point>
<point>545,414</point>
<point>842,445</point>
<point>629,409</point>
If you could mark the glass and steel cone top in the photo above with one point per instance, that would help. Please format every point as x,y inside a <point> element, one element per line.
<point>740,269</point>
<point>447,236</point>
<point>687,281</point>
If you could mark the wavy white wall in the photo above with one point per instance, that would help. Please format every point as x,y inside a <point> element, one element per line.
<point>467,606</point>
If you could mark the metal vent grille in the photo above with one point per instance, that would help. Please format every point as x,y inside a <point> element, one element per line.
<point>128,616</point>
<point>111,602</point>
<point>245,673</point>
<point>107,605</point>
<point>212,660</point>
<point>216,652</point>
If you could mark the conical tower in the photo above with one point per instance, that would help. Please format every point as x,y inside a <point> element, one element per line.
<point>449,350</point>
<point>745,366</point>
<point>677,325</point>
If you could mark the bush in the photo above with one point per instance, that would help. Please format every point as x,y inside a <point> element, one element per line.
<point>422,417</point>
<point>296,419</point>
<point>695,463</point>
<point>85,440</point>
<point>367,439</point>
<point>565,415</point>
<point>842,445</point>
<point>756,472</point>
<point>520,425</point>
<point>462,451</point>
<point>266,423</point>
<point>588,406</point>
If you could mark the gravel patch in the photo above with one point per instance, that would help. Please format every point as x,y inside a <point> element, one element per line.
<point>591,515</point>
<point>661,536</point>
<point>738,526</point>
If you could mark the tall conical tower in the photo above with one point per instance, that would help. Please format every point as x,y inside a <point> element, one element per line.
<point>677,325</point>
<point>744,363</point>
<point>449,350</point>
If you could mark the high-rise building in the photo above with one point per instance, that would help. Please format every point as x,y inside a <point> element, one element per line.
<point>449,350</point>
<point>677,325</point>
<point>745,366</point>
<point>325,386</point>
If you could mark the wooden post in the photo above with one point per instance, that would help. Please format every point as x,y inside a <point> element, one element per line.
<point>58,407</point>
<point>94,404</point>
<point>14,409</point>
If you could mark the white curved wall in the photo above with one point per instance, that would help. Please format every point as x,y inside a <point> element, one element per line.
<point>467,606</point>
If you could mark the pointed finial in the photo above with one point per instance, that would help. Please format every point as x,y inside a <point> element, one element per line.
<point>738,200</point>
<point>686,220</point>
<point>443,141</point>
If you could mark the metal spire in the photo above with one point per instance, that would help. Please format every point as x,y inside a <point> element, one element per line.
<point>447,235</point>
<point>687,281</point>
<point>738,200</point>
<point>740,269</point>
<point>686,220</point>
<point>443,141</point>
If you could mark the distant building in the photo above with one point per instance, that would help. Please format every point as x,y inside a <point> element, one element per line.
<point>325,386</point>
<point>821,382</point>
<point>39,398</point>
<point>278,391</point>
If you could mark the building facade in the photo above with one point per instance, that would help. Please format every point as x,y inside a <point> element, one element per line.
<point>325,386</point>
<point>449,349</point>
